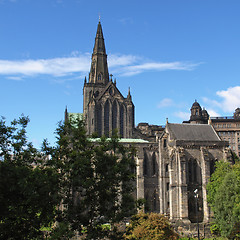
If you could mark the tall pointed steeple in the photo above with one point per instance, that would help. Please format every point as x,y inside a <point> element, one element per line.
<point>104,107</point>
<point>99,68</point>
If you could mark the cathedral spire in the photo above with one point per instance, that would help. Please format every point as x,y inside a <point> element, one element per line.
<point>99,46</point>
<point>99,68</point>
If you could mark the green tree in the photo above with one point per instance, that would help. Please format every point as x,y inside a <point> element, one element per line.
<point>223,196</point>
<point>222,168</point>
<point>28,186</point>
<point>96,180</point>
<point>225,204</point>
<point>150,226</point>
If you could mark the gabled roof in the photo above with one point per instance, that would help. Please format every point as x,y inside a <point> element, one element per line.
<point>122,140</point>
<point>110,84</point>
<point>192,132</point>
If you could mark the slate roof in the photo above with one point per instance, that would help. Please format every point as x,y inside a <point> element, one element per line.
<point>75,116</point>
<point>192,132</point>
<point>121,140</point>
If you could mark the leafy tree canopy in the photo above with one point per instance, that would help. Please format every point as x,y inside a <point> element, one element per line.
<point>96,180</point>
<point>150,226</point>
<point>224,198</point>
<point>28,187</point>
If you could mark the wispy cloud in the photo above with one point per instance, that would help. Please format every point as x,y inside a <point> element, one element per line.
<point>158,66</point>
<point>15,78</point>
<point>229,100</point>
<point>55,66</point>
<point>118,60</point>
<point>80,63</point>
<point>166,102</point>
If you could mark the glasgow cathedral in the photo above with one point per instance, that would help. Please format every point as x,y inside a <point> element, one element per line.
<point>172,161</point>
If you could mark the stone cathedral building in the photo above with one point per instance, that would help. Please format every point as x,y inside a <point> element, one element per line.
<point>172,161</point>
<point>104,107</point>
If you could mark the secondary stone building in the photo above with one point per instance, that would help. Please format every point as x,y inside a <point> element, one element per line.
<point>172,161</point>
<point>187,154</point>
<point>227,127</point>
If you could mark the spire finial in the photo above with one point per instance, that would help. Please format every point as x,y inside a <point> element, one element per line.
<point>166,120</point>
<point>99,17</point>
<point>111,77</point>
<point>129,94</point>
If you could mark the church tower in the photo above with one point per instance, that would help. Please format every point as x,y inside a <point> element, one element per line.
<point>104,107</point>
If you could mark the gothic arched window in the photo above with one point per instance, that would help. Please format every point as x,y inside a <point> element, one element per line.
<point>99,77</point>
<point>114,115</point>
<point>212,166</point>
<point>190,171</point>
<point>154,164</point>
<point>195,166</point>
<point>146,205</point>
<point>145,164</point>
<point>122,121</point>
<point>193,171</point>
<point>166,168</point>
<point>154,201</point>
<point>99,120</point>
<point>164,143</point>
<point>106,118</point>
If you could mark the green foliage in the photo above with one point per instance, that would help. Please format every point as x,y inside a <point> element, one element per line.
<point>61,232</point>
<point>225,203</point>
<point>96,180</point>
<point>149,226</point>
<point>222,168</point>
<point>223,195</point>
<point>28,187</point>
<point>214,228</point>
<point>186,238</point>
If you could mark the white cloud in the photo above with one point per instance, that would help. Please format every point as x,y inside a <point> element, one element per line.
<point>182,115</point>
<point>80,63</point>
<point>213,113</point>
<point>158,66</point>
<point>166,102</point>
<point>231,98</point>
<point>55,66</point>
<point>228,102</point>
<point>116,60</point>
<point>15,78</point>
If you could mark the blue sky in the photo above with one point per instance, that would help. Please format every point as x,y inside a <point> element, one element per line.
<point>169,52</point>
